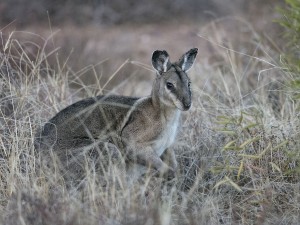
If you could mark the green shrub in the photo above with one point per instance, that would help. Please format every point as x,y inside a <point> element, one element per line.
<point>291,22</point>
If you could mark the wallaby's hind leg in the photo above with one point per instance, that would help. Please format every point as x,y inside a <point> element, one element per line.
<point>85,155</point>
<point>98,151</point>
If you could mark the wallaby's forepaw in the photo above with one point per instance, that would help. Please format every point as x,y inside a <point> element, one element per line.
<point>168,173</point>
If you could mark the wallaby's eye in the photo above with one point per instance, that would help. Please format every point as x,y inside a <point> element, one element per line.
<point>169,85</point>
<point>189,84</point>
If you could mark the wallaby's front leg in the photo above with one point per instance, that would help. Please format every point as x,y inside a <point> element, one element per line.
<point>149,158</point>
<point>169,158</point>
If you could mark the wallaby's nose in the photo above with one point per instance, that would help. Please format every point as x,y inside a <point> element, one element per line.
<point>187,105</point>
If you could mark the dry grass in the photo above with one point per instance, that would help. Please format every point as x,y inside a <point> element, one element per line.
<point>237,149</point>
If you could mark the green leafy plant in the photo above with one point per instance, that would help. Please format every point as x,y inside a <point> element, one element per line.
<point>291,22</point>
<point>249,151</point>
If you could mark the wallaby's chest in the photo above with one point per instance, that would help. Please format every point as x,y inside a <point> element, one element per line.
<point>167,135</point>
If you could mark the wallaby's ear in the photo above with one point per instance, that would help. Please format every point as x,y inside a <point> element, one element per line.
<point>187,60</point>
<point>160,61</point>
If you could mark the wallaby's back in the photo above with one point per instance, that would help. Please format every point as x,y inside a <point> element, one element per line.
<point>85,119</point>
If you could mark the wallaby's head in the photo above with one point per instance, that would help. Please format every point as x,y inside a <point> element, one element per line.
<point>172,82</point>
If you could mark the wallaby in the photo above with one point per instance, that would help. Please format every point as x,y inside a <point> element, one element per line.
<point>141,129</point>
